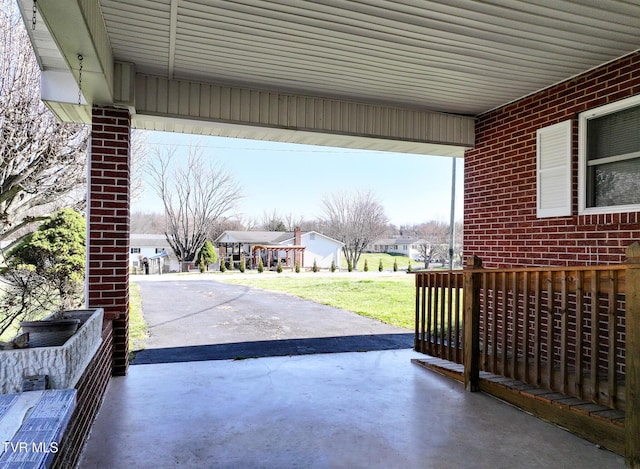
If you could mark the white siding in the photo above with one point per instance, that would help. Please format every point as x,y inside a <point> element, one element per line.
<point>148,244</point>
<point>321,249</point>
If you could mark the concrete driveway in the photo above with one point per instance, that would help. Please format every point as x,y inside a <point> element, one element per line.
<point>191,318</point>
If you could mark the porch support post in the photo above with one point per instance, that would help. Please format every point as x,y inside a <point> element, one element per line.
<point>108,225</point>
<point>632,354</point>
<point>471,344</point>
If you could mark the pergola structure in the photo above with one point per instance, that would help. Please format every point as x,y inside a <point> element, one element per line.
<point>273,253</point>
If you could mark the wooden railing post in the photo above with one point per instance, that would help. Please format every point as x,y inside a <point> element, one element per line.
<point>417,343</point>
<point>632,355</point>
<point>471,360</point>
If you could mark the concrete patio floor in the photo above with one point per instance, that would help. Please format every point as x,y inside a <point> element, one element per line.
<point>339,410</point>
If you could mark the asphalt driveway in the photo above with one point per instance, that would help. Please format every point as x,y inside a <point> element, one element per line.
<point>192,319</point>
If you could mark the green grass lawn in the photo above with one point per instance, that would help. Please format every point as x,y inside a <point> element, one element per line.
<point>388,299</point>
<point>373,260</point>
<point>138,331</point>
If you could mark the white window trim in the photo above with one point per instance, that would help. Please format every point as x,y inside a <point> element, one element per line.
<point>561,133</point>
<point>583,120</point>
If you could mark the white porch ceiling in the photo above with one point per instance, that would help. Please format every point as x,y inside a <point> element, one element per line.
<point>453,56</point>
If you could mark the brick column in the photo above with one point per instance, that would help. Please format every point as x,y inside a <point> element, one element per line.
<point>108,224</point>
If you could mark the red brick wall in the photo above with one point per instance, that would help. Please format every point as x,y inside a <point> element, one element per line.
<point>91,387</point>
<point>108,218</point>
<point>500,179</point>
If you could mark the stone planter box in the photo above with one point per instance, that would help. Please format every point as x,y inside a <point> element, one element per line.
<point>50,333</point>
<point>63,364</point>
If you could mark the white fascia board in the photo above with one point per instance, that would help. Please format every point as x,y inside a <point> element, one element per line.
<point>60,86</point>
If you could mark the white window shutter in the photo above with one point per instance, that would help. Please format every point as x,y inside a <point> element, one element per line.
<point>553,155</point>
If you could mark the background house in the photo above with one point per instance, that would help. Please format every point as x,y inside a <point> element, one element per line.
<point>156,249</point>
<point>403,246</point>
<point>317,247</point>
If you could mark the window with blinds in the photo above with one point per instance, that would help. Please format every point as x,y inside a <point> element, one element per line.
<point>609,157</point>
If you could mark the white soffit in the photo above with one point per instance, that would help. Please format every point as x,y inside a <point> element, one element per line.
<point>452,56</point>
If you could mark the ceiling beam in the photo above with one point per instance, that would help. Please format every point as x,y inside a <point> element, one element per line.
<point>249,108</point>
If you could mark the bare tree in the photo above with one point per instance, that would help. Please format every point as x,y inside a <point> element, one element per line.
<point>148,223</point>
<point>433,236</point>
<point>24,295</point>
<point>311,225</point>
<point>195,197</point>
<point>292,221</point>
<point>457,242</point>
<point>275,222</point>
<point>42,161</point>
<point>228,224</point>
<point>355,219</point>
<point>139,157</point>
<point>272,222</point>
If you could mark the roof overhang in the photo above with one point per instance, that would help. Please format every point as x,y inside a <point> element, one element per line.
<point>373,74</point>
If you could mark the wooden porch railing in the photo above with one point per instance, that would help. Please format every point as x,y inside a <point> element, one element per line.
<point>573,330</point>
<point>439,314</point>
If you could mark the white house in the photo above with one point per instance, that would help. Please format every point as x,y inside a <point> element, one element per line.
<point>409,247</point>
<point>155,249</point>
<point>288,246</point>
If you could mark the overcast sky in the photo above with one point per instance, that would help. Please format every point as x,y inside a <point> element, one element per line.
<point>293,178</point>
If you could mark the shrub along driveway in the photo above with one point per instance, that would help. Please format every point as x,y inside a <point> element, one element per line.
<point>191,318</point>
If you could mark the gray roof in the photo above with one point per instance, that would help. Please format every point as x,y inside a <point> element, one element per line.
<point>254,237</point>
<point>387,241</point>
<point>154,240</point>
<point>262,237</point>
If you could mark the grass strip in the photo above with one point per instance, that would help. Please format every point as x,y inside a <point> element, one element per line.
<point>138,330</point>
